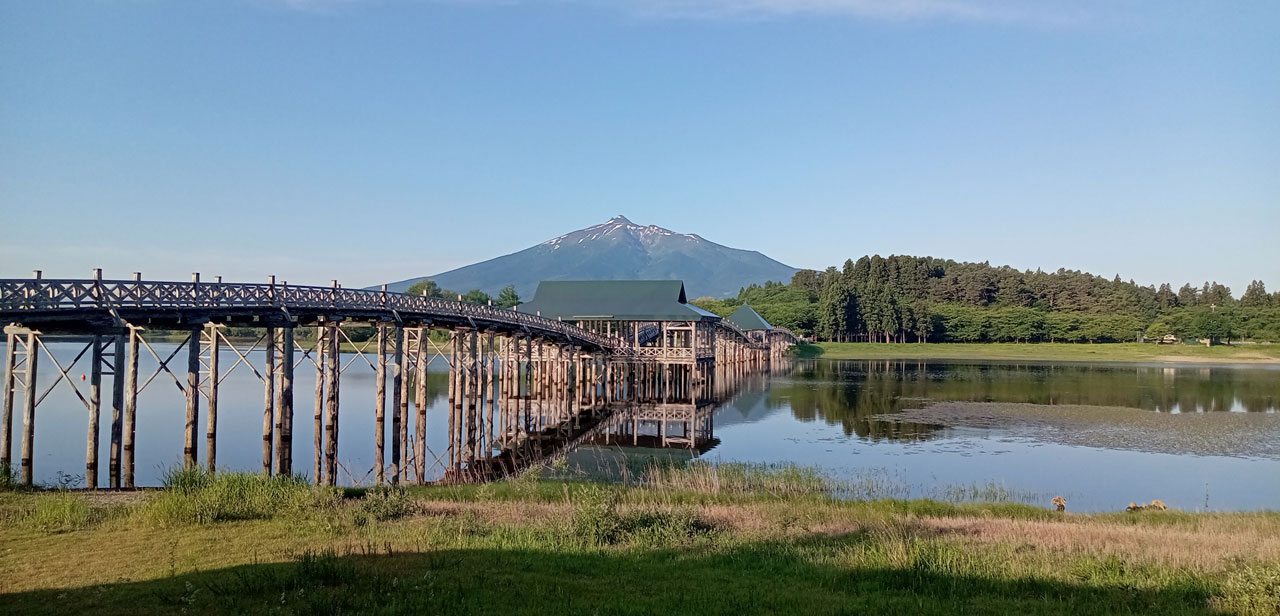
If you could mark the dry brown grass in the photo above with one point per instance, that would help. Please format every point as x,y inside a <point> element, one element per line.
<point>1211,545</point>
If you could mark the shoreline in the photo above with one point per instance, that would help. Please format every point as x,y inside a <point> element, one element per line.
<point>708,535</point>
<point>1253,355</point>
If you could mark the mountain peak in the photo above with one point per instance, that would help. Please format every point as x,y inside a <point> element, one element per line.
<point>619,249</point>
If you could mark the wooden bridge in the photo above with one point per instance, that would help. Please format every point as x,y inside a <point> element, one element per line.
<point>521,387</point>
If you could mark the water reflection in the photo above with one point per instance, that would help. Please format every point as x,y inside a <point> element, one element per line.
<point>848,393</point>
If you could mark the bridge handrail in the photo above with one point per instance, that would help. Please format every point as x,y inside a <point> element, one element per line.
<point>23,296</point>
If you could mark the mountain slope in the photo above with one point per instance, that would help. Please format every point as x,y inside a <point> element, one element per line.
<point>618,250</point>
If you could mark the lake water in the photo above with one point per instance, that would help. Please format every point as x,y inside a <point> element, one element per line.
<point>820,413</point>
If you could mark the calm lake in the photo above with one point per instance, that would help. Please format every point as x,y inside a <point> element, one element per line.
<point>834,415</point>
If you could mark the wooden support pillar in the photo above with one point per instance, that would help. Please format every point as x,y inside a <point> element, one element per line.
<point>6,420</point>
<point>211,418</point>
<point>322,352</point>
<point>455,363</point>
<point>492,389</point>
<point>476,402</point>
<point>420,406</point>
<point>397,397</point>
<point>95,415</point>
<point>117,409</point>
<point>193,398</point>
<point>269,402</point>
<point>331,404</point>
<point>413,346</point>
<point>29,409</point>
<point>284,404</point>
<point>130,408</point>
<point>380,406</point>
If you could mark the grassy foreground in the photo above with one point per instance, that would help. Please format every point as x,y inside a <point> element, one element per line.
<point>1116,352</point>
<point>701,540</point>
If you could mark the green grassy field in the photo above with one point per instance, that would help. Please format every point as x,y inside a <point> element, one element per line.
<point>1118,352</point>
<point>704,540</point>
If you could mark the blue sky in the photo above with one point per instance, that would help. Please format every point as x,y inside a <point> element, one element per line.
<point>377,140</point>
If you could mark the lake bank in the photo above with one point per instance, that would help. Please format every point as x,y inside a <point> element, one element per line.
<point>762,542</point>
<point>1261,354</point>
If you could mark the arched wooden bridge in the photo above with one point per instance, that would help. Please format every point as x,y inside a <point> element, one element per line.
<point>520,385</point>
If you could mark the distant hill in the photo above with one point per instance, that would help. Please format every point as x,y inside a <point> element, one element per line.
<point>618,250</point>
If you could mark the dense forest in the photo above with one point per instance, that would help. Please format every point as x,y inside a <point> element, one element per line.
<point>903,298</point>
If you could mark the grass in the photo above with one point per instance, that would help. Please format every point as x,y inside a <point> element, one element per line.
<point>1115,352</point>
<point>699,539</point>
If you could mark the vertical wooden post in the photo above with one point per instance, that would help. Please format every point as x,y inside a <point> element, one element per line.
<point>6,421</point>
<point>29,409</point>
<point>322,352</point>
<point>269,401</point>
<point>117,409</point>
<point>130,407</point>
<point>95,415</point>
<point>397,400</point>
<point>331,403</point>
<point>493,386</point>
<point>211,419</point>
<point>454,367</point>
<point>420,405</point>
<point>380,406</point>
<point>474,399</point>
<point>193,398</point>
<point>284,404</point>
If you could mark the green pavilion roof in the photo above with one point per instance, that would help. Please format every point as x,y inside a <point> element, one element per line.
<point>614,300</point>
<point>748,319</point>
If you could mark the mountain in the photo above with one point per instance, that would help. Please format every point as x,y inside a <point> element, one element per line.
<point>618,250</point>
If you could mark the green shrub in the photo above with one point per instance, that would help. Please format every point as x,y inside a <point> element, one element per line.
<point>595,515</point>
<point>192,496</point>
<point>59,513</point>
<point>386,503</point>
<point>665,528</point>
<point>1251,591</point>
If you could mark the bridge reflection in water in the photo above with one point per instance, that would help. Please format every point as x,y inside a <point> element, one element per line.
<point>521,388</point>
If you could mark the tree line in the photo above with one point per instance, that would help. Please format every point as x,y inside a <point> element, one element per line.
<point>902,298</point>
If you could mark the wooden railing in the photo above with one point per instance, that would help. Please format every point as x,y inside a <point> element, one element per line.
<point>19,297</point>
<point>43,295</point>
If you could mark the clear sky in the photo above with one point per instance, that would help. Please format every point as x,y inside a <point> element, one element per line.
<point>378,140</point>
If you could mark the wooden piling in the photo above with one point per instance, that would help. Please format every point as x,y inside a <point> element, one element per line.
<point>380,406</point>
<point>193,398</point>
<point>269,401</point>
<point>29,409</point>
<point>322,353</point>
<point>95,415</point>
<point>117,409</point>
<point>284,404</point>
<point>331,404</point>
<point>397,400</point>
<point>420,406</point>
<point>130,408</point>
<point>6,420</point>
<point>211,418</point>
